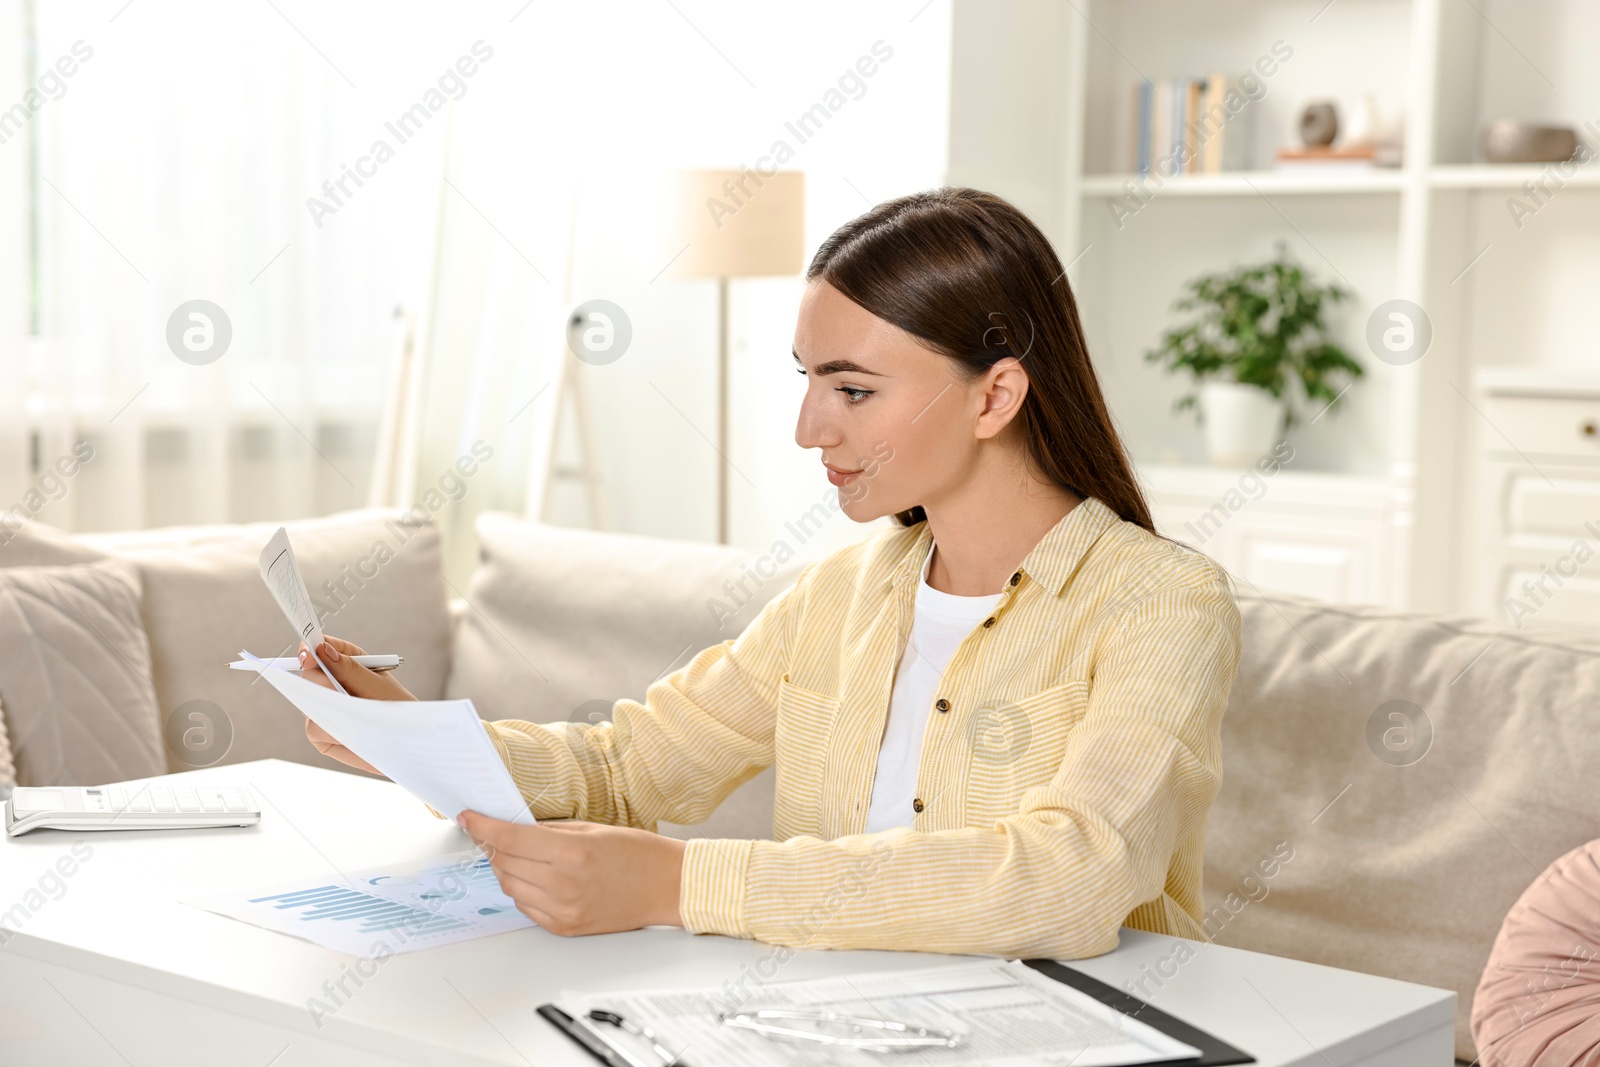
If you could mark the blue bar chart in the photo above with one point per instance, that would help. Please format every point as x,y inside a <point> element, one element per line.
<point>369,914</point>
<point>385,910</point>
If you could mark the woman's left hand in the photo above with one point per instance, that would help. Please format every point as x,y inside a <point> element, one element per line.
<point>582,877</point>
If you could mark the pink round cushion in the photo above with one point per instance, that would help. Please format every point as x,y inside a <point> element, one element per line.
<point>1538,1002</point>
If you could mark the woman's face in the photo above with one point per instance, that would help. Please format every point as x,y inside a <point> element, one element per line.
<point>896,425</point>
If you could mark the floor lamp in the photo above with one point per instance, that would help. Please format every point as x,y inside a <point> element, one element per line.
<point>734,224</point>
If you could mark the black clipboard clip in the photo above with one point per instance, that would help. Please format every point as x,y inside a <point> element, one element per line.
<point>1214,1052</point>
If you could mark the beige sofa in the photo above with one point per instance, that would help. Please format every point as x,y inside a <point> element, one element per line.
<point>1393,781</point>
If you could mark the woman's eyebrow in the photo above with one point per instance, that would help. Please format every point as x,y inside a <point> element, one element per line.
<point>840,366</point>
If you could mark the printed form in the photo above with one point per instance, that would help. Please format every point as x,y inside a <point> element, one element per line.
<point>1007,1015</point>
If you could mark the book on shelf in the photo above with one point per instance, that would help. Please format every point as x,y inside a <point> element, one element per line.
<point>1190,125</point>
<point>1211,148</point>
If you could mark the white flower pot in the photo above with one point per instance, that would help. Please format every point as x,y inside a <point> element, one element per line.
<point>1242,423</point>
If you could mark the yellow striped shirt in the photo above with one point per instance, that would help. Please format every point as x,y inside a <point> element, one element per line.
<point>1067,768</point>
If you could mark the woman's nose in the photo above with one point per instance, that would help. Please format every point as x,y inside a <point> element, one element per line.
<point>811,429</point>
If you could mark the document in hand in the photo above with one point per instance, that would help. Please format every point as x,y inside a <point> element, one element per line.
<point>282,575</point>
<point>437,750</point>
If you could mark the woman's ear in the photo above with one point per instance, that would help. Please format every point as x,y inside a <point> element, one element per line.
<point>1004,386</point>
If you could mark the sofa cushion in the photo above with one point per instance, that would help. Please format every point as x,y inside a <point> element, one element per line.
<point>1535,1006</point>
<point>75,689</point>
<point>562,623</point>
<point>1391,784</point>
<point>33,544</point>
<point>377,579</point>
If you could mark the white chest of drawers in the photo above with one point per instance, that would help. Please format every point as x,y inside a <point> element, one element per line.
<point>1327,536</point>
<point>1537,544</point>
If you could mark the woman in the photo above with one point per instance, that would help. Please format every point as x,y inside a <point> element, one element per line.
<point>996,724</point>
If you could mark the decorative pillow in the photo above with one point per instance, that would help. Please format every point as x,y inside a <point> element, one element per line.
<point>24,543</point>
<point>562,623</point>
<point>8,767</point>
<point>79,706</point>
<point>1536,1003</point>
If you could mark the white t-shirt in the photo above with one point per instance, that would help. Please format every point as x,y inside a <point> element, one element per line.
<point>941,621</point>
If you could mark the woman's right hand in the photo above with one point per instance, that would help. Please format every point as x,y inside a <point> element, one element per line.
<point>358,681</point>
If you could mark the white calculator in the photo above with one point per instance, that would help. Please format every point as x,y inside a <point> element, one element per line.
<point>128,806</point>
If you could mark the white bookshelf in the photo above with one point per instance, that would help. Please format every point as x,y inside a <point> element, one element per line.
<point>1398,451</point>
<point>1489,176</point>
<point>1245,183</point>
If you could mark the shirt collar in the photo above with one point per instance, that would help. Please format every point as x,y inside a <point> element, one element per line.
<point>1050,563</point>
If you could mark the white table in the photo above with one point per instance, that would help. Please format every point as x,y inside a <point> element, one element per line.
<point>109,967</point>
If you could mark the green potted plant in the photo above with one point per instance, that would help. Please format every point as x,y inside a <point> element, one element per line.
<point>1257,337</point>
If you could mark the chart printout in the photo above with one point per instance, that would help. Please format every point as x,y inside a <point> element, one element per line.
<point>382,910</point>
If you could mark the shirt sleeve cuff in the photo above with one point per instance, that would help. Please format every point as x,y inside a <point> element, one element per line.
<point>711,893</point>
<point>499,742</point>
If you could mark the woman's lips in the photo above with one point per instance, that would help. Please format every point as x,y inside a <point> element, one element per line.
<point>838,477</point>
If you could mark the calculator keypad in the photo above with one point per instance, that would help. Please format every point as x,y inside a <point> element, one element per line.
<point>129,805</point>
<point>145,799</point>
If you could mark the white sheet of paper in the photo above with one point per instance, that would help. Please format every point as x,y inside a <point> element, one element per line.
<point>436,750</point>
<point>382,910</point>
<point>282,575</point>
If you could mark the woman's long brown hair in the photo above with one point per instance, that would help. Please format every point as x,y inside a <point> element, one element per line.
<point>973,279</point>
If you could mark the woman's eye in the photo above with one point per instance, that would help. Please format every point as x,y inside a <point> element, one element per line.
<point>852,395</point>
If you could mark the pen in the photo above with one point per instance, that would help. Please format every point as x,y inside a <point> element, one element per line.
<point>584,1035</point>
<point>378,664</point>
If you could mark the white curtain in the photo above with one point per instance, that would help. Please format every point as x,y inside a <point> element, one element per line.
<point>178,163</point>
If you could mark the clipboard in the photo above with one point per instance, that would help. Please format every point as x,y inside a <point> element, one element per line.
<point>1214,1052</point>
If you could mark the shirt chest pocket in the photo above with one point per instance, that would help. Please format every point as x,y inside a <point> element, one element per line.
<point>1018,745</point>
<point>801,737</point>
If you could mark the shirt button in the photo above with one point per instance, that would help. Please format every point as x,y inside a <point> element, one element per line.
<point>1015,578</point>
<point>916,805</point>
<point>988,622</point>
<point>943,705</point>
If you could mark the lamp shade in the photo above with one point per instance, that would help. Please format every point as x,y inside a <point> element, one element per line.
<point>735,224</point>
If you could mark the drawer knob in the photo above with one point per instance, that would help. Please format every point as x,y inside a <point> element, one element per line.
<point>1588,428</point>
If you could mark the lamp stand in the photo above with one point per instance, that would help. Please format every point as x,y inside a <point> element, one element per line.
<point>722,409</point>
